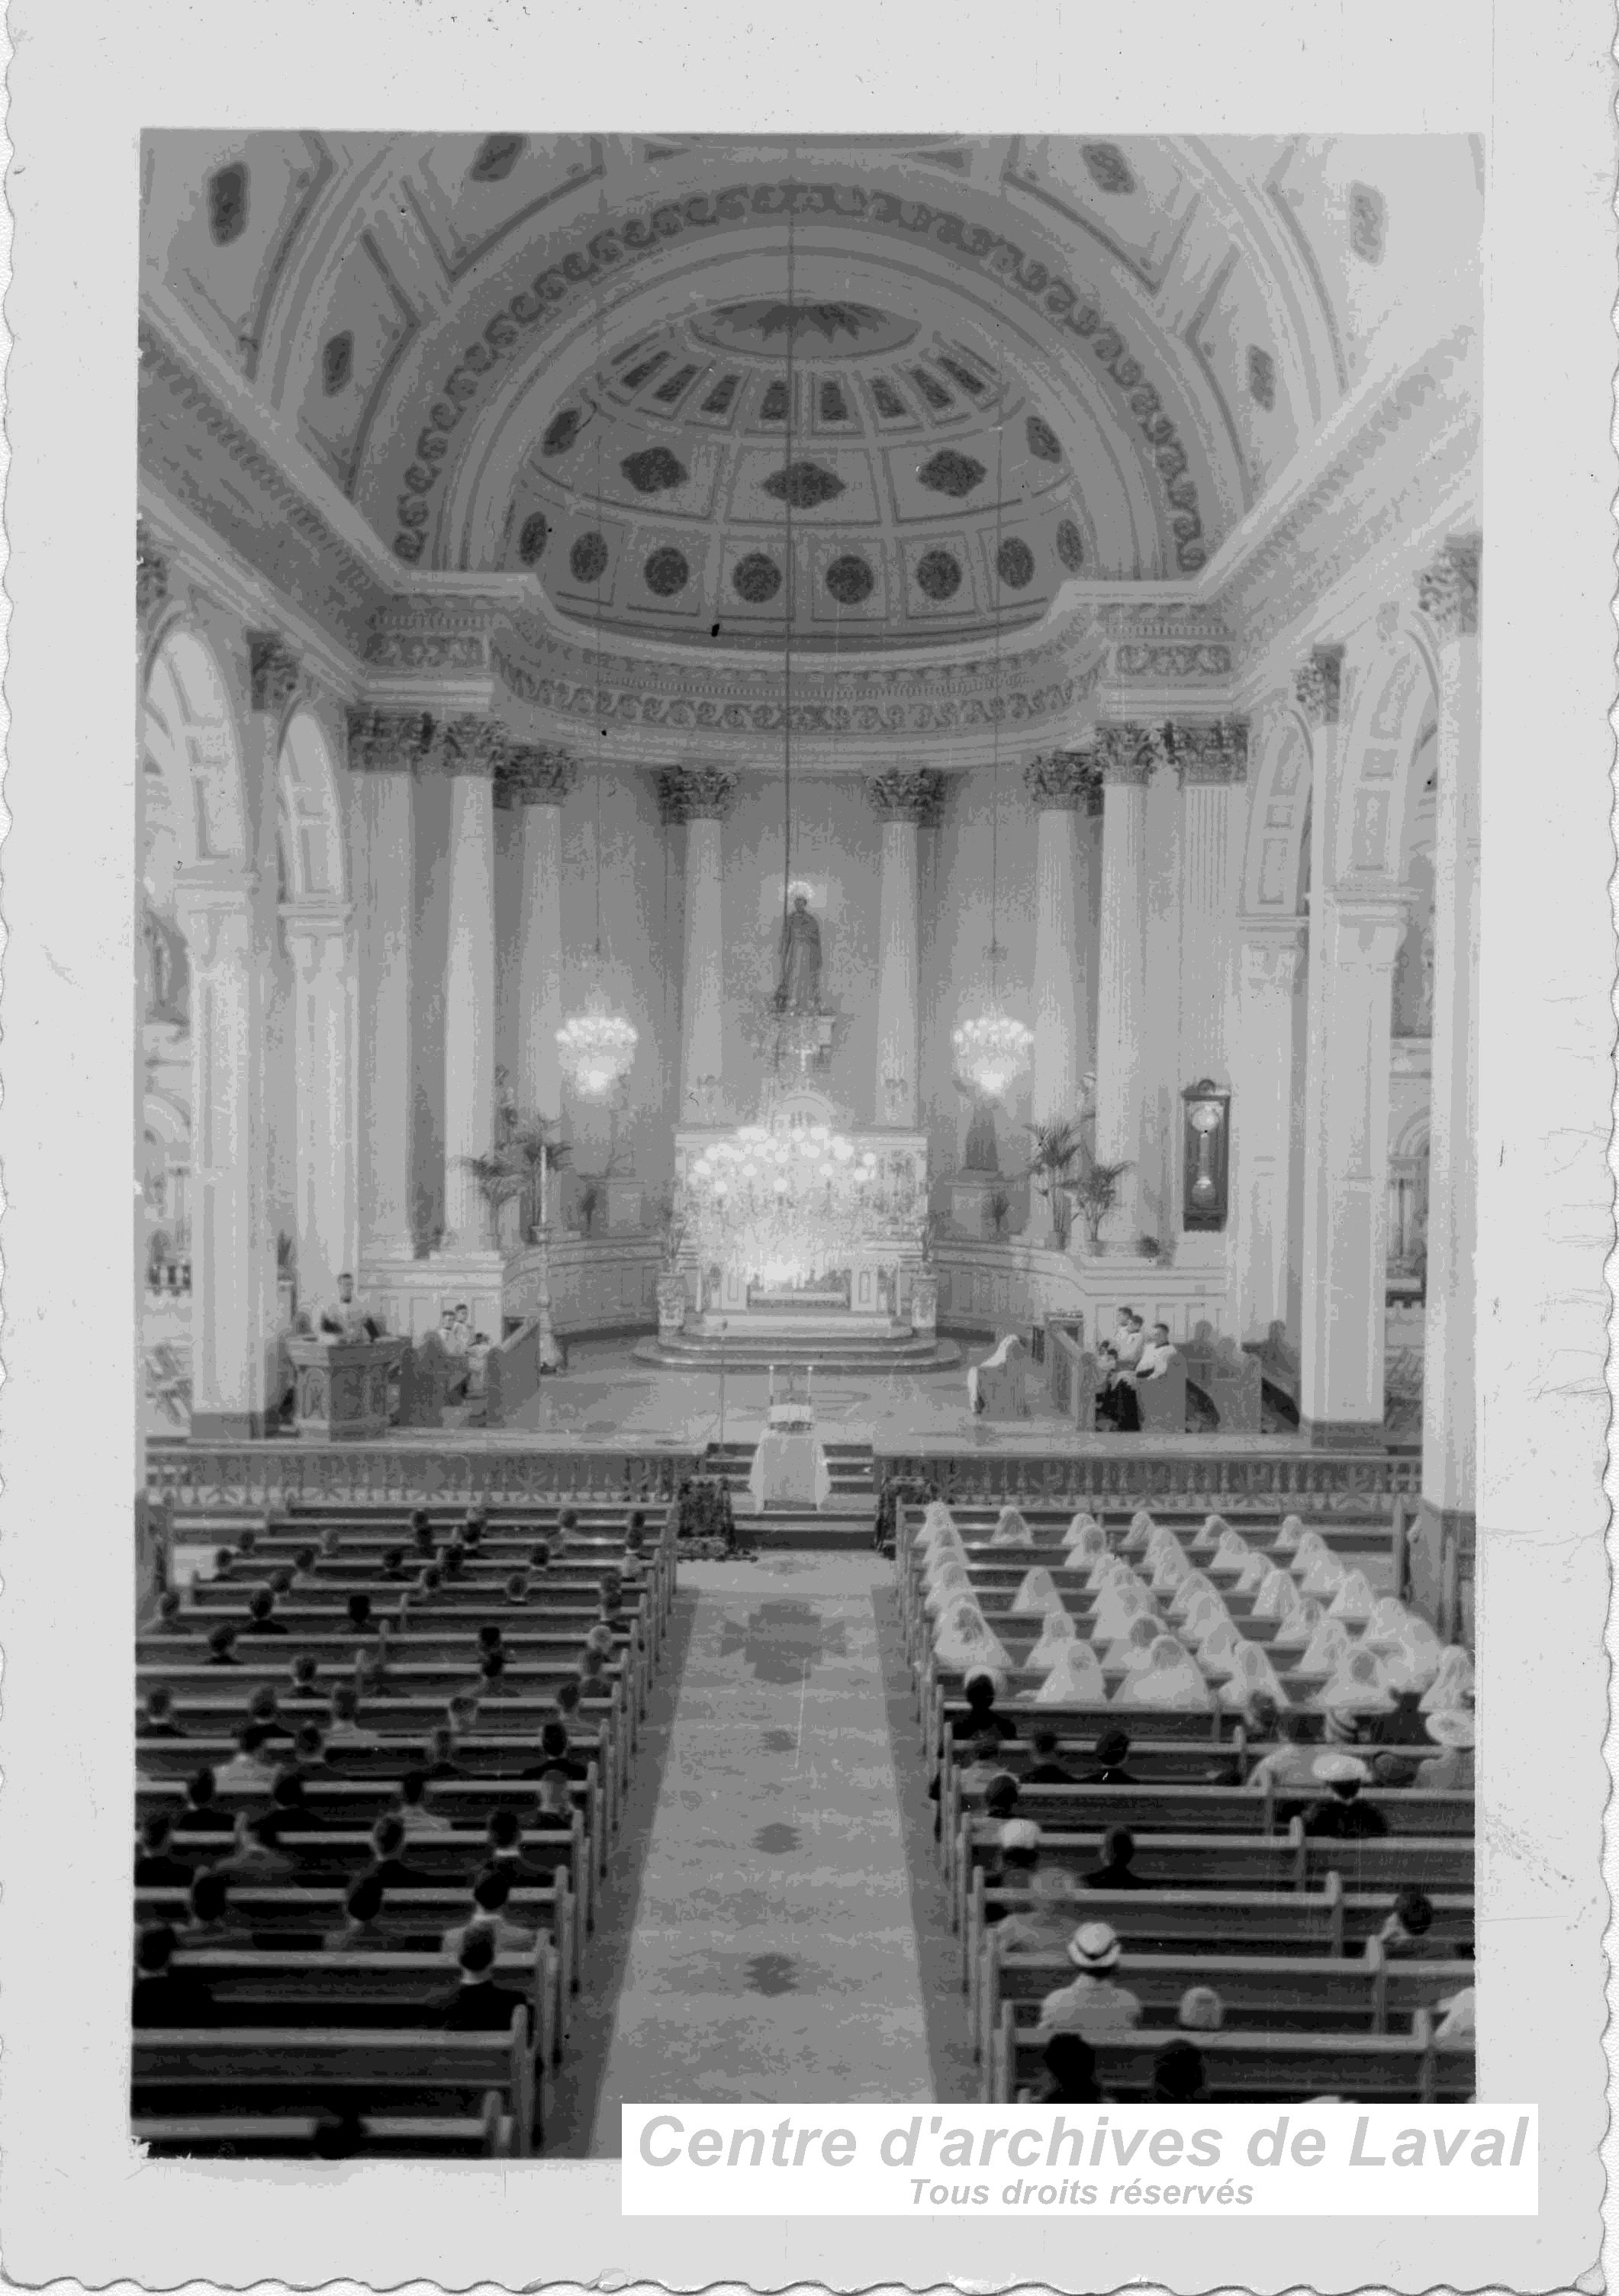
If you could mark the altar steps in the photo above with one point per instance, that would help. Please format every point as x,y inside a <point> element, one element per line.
<point>698,1351</point>
<point>851,1465</point>
<point>847,1519</point>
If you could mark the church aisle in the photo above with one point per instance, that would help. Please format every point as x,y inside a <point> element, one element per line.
<point>772,1956</point>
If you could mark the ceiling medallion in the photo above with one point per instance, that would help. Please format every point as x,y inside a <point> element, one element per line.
<point>562,431</point>
<point>1015,564</point>
<point>1070,548</point>
<point>654,471</point>
<point>938,575</point>
<point>850,580</point>
<point>803,486</point>
<point>531,541</point>
<point>948,472</point>
<point>665,572</point>
<point>587,560</point>
<point>1042,439</point>
<point>757,578</point>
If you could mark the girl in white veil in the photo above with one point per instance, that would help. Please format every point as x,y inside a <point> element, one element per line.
<point>1229,1555</point>
<point>1170,1678</point>
<point>1452,1684</point>
<point>937,1518</point>
<point>1074,1680</point>
<point>1078,1528</point>
<point>1353,1598</point>
<point>1358,1687</point>
<point>1142,1528</point>
<point>1170,1569</point>
<point>1037,1591</point>
<point>1288,1537</point>
<point>1130,1652</point>
<point>1116,1605</point>
<point>1253,1678</point>
<point>1057,1631</point>
<point>963,1638</point>
<point>1310,1546</point>
<point>1209,1533</point>
<point>1275,1597</point>
<point>1328,1647</point>
<point>1195,1583</point>
<point>1299,1624</point>
<point>1010,1529</point>
<point>952,1581</point>
<point>1254,1573</point>
<point>1324,1577</point>
<point>1087,1550</point>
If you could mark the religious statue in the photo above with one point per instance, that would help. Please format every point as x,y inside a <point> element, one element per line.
<point>798,984</point>
<point>981,1154</point>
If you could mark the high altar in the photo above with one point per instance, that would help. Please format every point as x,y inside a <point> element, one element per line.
<point>876,1285</point>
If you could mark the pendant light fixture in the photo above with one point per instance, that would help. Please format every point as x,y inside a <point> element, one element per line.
<point>596,1045</point>
<point>991,1048</point>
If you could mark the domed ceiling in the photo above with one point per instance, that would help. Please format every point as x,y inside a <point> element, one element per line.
<point>829,466</point>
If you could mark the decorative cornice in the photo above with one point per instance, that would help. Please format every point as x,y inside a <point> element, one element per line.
<point>1162,642</point>
<point>1062,781</point>
<point>452,635</point>
<point>610,249</point>
<point>1319,685</point>
<point>469,745</point>
<point>532,773</point>
<point>1215,751</point>
<point>1127,753</point>
<point>1447,592</point>
<point>389,741</point>
<point>151,573</point>
<point>694,793</point>
<point>274,671</point>
<point>897,795</point>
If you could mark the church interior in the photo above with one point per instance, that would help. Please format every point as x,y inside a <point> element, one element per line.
<point>807,995</point>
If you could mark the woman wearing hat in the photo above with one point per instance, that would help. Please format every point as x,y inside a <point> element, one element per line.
<point>1341,1815</point>
<point>1094,2006</point>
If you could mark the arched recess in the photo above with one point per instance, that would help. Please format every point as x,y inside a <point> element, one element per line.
<point>308,1033</point>
<point>190,744</point>
<point>1378,758</point>
<point>1280,815</point>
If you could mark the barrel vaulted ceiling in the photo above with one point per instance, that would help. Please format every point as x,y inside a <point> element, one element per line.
<point>885,393</point>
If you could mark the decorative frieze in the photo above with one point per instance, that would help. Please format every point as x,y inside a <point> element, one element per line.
<point>389,741</point>
<point>899,796</point>
<point>531,774</point>
<point>1447,592</point>
<point>1217,752</point>
<point>1128,753</point>
<point>1062,781</point>
<point>694,793</point>
<point>437,635</point>
<point>274,671</point>
<point>1318,684</point>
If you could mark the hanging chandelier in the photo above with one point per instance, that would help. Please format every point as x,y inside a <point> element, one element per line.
<point>780,1204</point>
<point>596,1047</point>
<point>992,1051</point>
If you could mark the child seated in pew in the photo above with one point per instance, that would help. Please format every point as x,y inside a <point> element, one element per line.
<point>1201,2010</point>
<point>357,1608</point>
<point>331,1539</point>
<point>261,1615</point>
<point>168,1621</point>
<point>210,1929</point>
<point>1070,2074</point>
<point>986,1766</point>
<point>491,1679</point>
<point>163,1998</point>
<point>346,1728</point>
<point>1046,1769</point>
<point>601,1640</point>
<point>200,1812</point>
<point>396,1571</point>
<point>490,1893</point>
<point>439,1754</point>
<point>280,1581</point>
<point>452,1561</point>
<point>304,1678</point>
<point>460,1708</point>
<point>554,1813</point>
<point>387,1862</point>
<point>415,1810</point>
<point>1116,1870</point>
<point>158,1716</point>
<point>254,1855</point>
<point>593,1679</point>
<point>289,1809</point>
<point>554,1755</point>
<point>518,1589</point>
<point>505,1836</point>
<point>222,1644</point>
<point>1178,2075</point>
<point>362,1930</point>
<point>1291,1765</point>
<point>1001,1795</point>
<point>478,2004</point>
<point>1048,1923</point>
<point>1112,1752</point>
<point>1407,1933</point>
<point>421,1531</point>
<point>309,1755</point>
<point>264,1708</point>
<point>248,1766</point>
<point>304,1564</point>
<point>980,1691</point>
<point>539,1558</point>
<point>156,1866</point>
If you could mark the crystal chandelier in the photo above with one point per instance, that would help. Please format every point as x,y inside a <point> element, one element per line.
<point>992,1050</point>
<point>596,1047</point>
<point>780,1204</point>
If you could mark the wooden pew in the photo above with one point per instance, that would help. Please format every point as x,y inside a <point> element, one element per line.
<point>368,2067</point>
<point>1170,1861</point>
<point>1271,2066</point>
<point>487,2135</point>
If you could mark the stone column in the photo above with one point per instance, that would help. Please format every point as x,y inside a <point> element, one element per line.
<point>1448,598</point>
<point>1212,763</point>
<point>538,781</point>
<point>1353,940</point>
<point>1262,1123</point>
<point>700,797</point>
<point>318,941</point>
<point>387,748</point>
<point>470,752</point>
<point>233,1288</point>
<point>905,803</point>
<point>1126,755</point>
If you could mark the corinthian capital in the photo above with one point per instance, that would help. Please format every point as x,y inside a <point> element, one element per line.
<point>1063,780</point>
<point>531,775</point>
<point>388,740</point>
<point>1215,751</point>
<point>471,745</point>
<point>1447,593</point>
<point>1127,754</point>
<point>1318,684</point>
<point>694,793</point>
<point>901,796</point>
<point>274,669</point>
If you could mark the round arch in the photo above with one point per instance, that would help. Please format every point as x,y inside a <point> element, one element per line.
<point>190,741</point>
<point>311,819</point>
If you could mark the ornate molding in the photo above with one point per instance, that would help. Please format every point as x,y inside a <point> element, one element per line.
<point>1164,643</point>
<point>469,745</point>
<point>1447,592</point>
<point>453,636</point>
<point>615,247</point>
<point>389,741</point>
<point>900,795</point>
<point>1318,684</point>
<point>1128,753</point>
<point>1216,752</point>
<point>1063,780</point>
<point>151,573</point>
<point>534,773</point>
<point>694,793</point>
<point>274,672</point>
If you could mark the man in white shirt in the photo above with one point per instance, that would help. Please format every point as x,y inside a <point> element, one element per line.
<point>1093,2007</point>
<point>1157,1355</point>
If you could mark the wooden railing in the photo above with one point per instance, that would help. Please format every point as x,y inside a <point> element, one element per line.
<point>1323,1483</point>
<point>404,1473</point>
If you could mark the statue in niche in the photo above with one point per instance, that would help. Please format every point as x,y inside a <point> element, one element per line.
<point>798,980</point>
<point>981,1154</point>
<point>1424,990</point>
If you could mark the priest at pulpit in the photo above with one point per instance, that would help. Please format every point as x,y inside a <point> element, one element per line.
<point>346,1317</point>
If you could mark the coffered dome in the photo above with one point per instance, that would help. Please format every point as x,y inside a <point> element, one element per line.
<point>874,481</point>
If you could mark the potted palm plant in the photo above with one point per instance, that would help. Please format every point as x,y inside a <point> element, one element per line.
<point>498,1181</point>
<point>1095,1192</point>
<point>1058,1143</point>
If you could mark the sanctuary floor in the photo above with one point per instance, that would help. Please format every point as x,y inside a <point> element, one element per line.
<point>781,1938</point>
